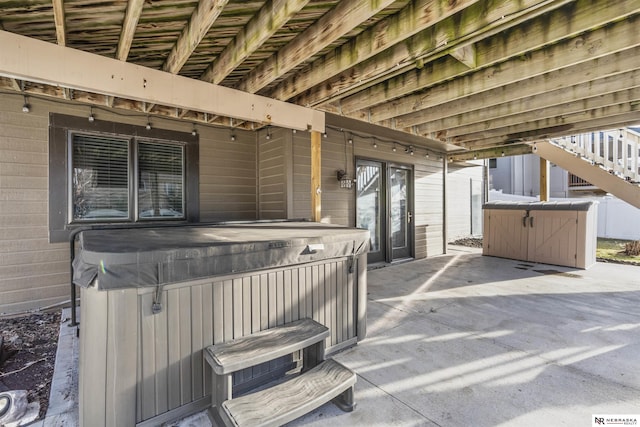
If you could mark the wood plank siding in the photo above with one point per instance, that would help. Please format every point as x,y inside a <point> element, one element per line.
<point>35,273</point>
<point>338,204</point>
<point>154,362</point>
<point>241,178</point>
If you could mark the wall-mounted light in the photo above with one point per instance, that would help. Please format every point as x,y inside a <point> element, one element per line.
<point>26,107</point>
<point>268,137</point>
<point>232,137</point>
<point>343,178</point>
<point>194,131</point>
<point>502,154</point>
<point>148,126</point>
<point>394,149</point>
<point>324,135</point>
<point>375,144</point>
<point>426,156</point>
<point>91,117</point>
<point>350,140</point>
<point>621,136</point>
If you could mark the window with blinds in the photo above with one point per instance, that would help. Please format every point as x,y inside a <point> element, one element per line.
<point>100,178</point>
<point>102,184</point>
<point>160,180</point>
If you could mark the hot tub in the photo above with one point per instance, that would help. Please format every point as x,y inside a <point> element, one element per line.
<point>152,299</point>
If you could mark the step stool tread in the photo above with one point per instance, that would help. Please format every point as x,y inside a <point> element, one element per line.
<point>292,399</point>
<point>251,350</point>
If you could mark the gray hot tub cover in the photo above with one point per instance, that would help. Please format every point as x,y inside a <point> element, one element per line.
<point>142,257</point>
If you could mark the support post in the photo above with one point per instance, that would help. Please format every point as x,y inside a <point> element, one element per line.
<point>316,176</point>
<point>544,180</point>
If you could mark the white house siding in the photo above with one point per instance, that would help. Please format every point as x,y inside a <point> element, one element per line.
<point>35,273</point>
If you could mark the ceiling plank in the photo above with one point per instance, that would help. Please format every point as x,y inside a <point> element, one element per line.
<point>273,15</point>
<point>58,17</point>
<point>555,112</point>
<point>487,153</point>
<point>471,25</point>
<point>415,17</point>
<point>576,50</point>
<point>527,90</point>
<point>201,20</point>
<point>39,61</point>
<point>573,124</point>
<point>131,16</point>
<point>344,17</point>
<point>604,91</point>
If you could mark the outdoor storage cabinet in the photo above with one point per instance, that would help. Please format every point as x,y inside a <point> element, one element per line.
<point>559,233</point>
<point>153,299</point>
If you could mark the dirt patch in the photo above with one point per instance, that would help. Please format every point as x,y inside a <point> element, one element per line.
<point>470,242</point>
<point>28,355</point>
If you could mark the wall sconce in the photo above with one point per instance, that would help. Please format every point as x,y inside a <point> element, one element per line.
<point>26,107</point>
<point>343,178</point>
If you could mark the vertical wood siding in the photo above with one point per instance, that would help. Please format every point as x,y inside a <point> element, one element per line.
<point>35,273</point>
<point>163,352</point>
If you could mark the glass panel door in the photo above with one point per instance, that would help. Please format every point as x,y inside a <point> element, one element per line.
<point>370,202</point>
<point>400,212</point>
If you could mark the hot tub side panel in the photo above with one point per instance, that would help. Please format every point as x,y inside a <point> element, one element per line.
<point>155,369</point>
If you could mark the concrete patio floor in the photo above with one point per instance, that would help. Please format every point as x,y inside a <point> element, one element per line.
<point>467,340</point>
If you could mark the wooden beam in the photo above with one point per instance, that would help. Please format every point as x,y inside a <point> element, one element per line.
<point>15,85</point>
<point>466,55</point>
<point>577,106</point>
<point>131,16</point>
<point>415,17</point>
<point>316,176</point>
<point>344,17</point>
<point>537,131</point>
<point>526,129</point>
<point>545,188</point>
<point>509,57</point>
<point>201,20</point>
<point>577,50</point>
<point>586,79</point>
<point>269,19</point>
<point>58,17</point>
<point>480,20</point>
<point>36,60</point>
<point>489,153</point>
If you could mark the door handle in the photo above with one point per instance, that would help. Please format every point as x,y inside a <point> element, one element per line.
<point>409,217</point>
<point>524,219</point>
<point>531,222</point>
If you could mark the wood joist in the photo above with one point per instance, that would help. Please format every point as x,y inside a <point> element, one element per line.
<point>467,72</point>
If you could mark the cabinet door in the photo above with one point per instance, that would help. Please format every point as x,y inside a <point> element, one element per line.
<point>553,237</point>
<point>507,234</point>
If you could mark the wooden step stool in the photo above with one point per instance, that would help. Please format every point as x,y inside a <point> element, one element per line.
<point>319,382</point>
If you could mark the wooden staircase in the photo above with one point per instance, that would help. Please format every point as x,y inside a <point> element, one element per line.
<point>609,160</point>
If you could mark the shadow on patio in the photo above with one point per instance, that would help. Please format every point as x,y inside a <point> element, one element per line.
<point>465,340</point>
